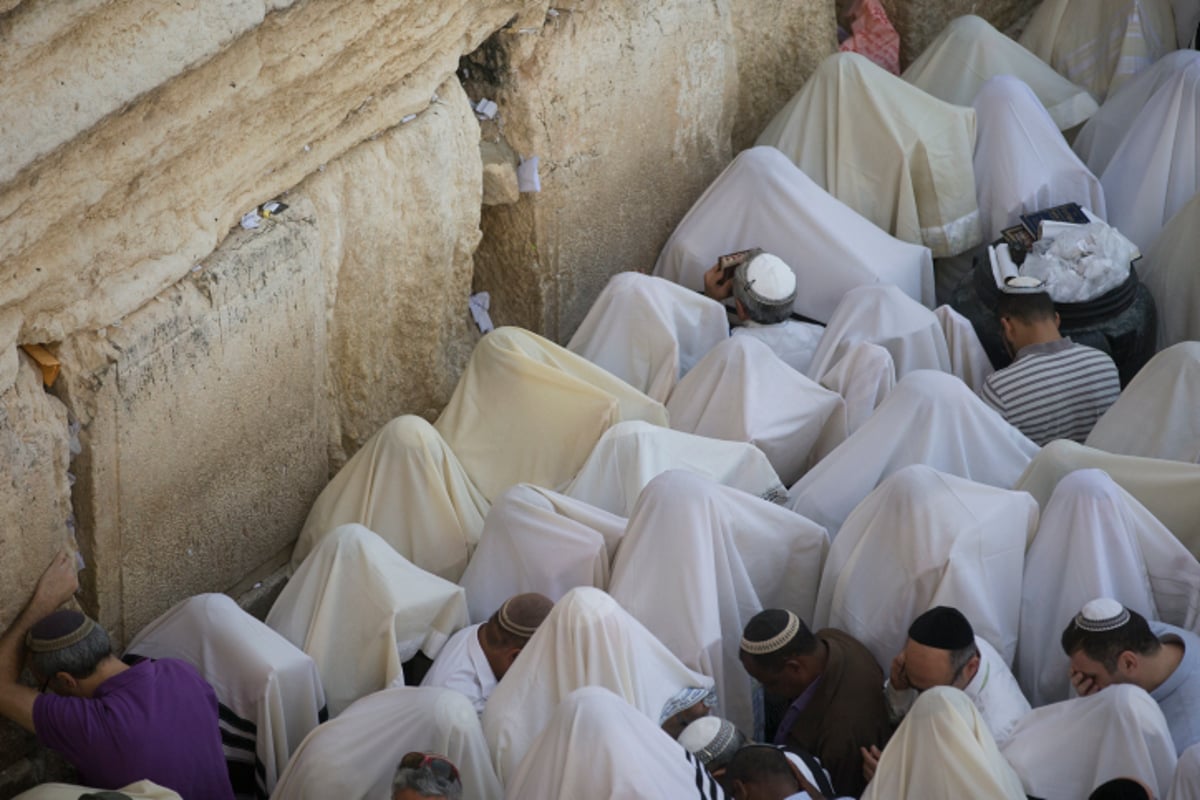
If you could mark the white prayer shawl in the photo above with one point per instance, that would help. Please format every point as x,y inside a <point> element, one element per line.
<point>1157,414</point>
<point>1100,44</point>
<point>1170,490</point>
<point>892,152</point>
<point>1067,749</point>
<point>1100,137</point>
<point>528,411</point>
<point>649,331</point>
<point>536,540</point>
<point>742,392</point>
<point>793,341</point>
<point>360,609</point>
<point>462,666</point>
<point>1022,162</point>
<point>588,640</point>
<point>943,751</point>
<point>763,200</point>
<point>1169,271</point>
<point>883,315</point>
<point>968,360</point>
<point>354,757</point>
<point>699,560</point>
<point>631,453</point>
<point>257,675</point>
<point>142,790</point>
<point>1186,785</point>
<point>406,485</point>
<point>864,376</point>
<point>930,418</point>
<point>1156,169</point>
<point>969,51</point>
<point>598,747</point>
<point>924,539</point>
<point>1096,540</point>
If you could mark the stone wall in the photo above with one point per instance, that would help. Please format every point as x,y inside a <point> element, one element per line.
<point>919,23</point>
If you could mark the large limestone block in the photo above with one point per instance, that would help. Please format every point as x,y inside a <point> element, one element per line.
<point>205,419</point>
<point>629,106</point>
<point>105,221</point>
<point>919,23</point>
<point>399,220</point>
<point>779,44</point>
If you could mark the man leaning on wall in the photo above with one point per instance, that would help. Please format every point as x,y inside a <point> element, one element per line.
<point>117,724</point>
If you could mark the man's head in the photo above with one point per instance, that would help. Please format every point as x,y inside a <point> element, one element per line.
<point>713,741</point>
<point>423,775</point>
<point>764,288</point>
<point>940,650</point>
<point>65,649</point>
<point>760,772</point>
<point>687,706</point>
<point>1027,318</point>
<point>508,630</point>
<point>1109,644</point>
<point>781,653</point>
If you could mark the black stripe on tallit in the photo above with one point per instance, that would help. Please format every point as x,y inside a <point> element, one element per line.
<point>818,772</point>
<point>233,720</point>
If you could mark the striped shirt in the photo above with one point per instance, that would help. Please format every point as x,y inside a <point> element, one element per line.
<point>1054,390</point>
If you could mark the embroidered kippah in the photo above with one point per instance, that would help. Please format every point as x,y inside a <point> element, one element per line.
<point>707,738</point>
<point>58,630</point>
<point>1104,614</point>
<point>507,623</point>
<point>777,641</point>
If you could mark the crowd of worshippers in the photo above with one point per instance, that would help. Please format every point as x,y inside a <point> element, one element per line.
<point>770,526</point>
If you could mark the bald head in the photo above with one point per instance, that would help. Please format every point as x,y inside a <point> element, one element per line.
<point>511,627</point>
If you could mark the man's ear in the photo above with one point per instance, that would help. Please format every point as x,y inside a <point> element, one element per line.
<point>66,682</point>
<point>1128,662</point>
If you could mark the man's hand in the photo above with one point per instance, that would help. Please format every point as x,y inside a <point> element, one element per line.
<point>870,757</point>
<point>1083,684</point>
<point>58,583</point>
<point>898,677</point>
<point>716,285</point>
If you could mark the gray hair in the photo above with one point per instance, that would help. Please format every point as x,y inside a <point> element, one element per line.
<point>425,783</point>
<point>78,660</point>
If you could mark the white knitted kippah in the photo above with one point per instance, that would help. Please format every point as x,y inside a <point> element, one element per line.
<point>1102,614</point>
<point>770,278</point>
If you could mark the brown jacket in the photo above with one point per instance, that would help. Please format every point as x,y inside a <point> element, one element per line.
<point>846,712</point>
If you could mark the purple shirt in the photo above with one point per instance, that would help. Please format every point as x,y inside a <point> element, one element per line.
<point>155,721</point>
<point>798,705</point>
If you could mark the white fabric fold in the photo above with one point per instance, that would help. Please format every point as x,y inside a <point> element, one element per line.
<point>1100,44</point>
<point>1022,163</point>
<point>864,376</point>
<point>1169,271</point>
<point>742,392</point>
<point>631,453</point>
<point>536,540</point>
<point>699,560</point>
<point>892,152</point>
<point>924,539</point>
<point>1096,540</point>
<point>1186,785</point>
<point>256,673</point>
<point>407,486</point>
<point>361,609</point>
<point>588,640</point>
<point>142,790</point>
<point>355,756</point>
<point>763,200</point>
<point>1157,415</point>
<point>884,316</point>
<point>598,747</point>
<point>528,411</point>
<point>649,332</point>
<point>969,51</point>
<point>1067,749</point>
<point>930,418</point>
<point>968,360</point>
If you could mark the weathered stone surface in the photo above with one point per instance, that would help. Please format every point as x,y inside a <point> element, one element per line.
<point>35,499</point>
<point>399,219</point>
<point>779,44</point>
<point>500,185</point>
<point>629,106</point>
<point>204,424</point>
<point>919,23</point>
<point>103,223</point>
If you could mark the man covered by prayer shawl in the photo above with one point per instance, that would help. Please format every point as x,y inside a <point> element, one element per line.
<point>1109,644</point>
<point>943,650</point>
<point>473,660</point>
<point>763,289</point>
<point>830,682</point>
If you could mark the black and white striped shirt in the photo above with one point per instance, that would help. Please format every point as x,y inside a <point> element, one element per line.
<point>1054,390</point>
